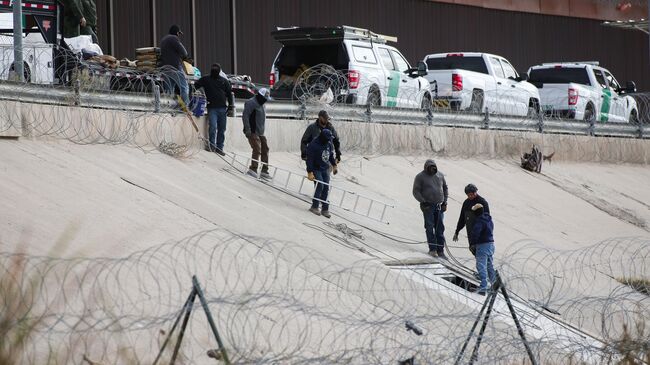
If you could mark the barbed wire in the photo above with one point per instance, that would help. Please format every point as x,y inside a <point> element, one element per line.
<point>99,102</point>
<point>275,301</point>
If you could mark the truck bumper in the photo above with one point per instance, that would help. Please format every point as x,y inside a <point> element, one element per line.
<point>448,102</point>
<point>561,113</point>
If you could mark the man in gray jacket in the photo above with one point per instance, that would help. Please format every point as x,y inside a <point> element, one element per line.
<point>430,189</point>
<point>254,118</point>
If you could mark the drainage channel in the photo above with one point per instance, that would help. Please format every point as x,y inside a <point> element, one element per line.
<point>539,326</point>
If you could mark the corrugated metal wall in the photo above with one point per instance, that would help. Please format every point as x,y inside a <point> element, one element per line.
<point>421,26</point>
<point>213,35</point>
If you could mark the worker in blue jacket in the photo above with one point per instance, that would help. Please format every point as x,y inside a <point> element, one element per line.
<point>320,157</point>
<point>482,238</point>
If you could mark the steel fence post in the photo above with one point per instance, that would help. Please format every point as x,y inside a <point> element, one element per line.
<point>156,97</point>
<point>486,119</point>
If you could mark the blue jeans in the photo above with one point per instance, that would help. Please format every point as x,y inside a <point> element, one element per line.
<point>321,189</point>
<point>484,263</point>
<point>217,126</point>
<point>435,229</point>
<point>174,79</point>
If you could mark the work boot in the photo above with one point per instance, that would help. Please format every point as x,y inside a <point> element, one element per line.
<point>265,175</point>
<point>251,173</point>
<point>481,291</point>
<point>314,210</point>
<point>326,213</point>
<point>433,254</point>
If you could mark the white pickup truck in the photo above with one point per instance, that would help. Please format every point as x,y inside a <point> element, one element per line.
<point>585,91</point>
<point>478,82</point>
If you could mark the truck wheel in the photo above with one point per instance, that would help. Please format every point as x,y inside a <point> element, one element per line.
<point>374,97</point>
<point>533,108</point>
<point>634,117</point>
<point>476,105</point>
<point>589,113</point>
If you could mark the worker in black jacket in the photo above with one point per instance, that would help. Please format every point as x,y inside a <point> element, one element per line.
<point>172,54</point>
<point>313,131</point>
<point>466,218</point>
<point>218,92</point>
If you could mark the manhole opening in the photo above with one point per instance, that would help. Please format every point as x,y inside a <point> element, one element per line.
<point>458,281</point>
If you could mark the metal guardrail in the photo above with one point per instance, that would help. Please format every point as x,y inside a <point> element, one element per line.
<point>155,102</point>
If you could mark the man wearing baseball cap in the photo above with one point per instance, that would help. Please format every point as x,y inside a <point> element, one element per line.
<point>466,218</point>
<point>313,131</point>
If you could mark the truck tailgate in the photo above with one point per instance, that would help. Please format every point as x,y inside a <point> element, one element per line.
<point>440,80</point>
<point>555,96</point>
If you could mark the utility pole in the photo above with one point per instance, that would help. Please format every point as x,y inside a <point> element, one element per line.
<point>233,35</point>
<point>18,39</point>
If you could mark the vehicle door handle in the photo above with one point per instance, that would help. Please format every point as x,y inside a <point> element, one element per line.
<point>390,78</point>
<point>404,80</point>
<point>512,86</point>
<point>498,82</point>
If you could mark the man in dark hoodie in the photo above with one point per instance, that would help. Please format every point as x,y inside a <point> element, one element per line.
<point>254,118</point>
<point>430,189</point>
<point>172,54</point>
<point>482,237</point>
<point>466,218</point>
<point>319,159</point>
<point>314,129</point>
<point>217,92</point>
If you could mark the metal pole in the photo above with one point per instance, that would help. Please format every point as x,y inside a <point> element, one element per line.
<point>188,302</point>
<point>18,40</point>
<point>233,35</point>
<point>156,98</point>
<point>188,311</point>
<point>471,332</point>
<point>213,326</point>
<point>474,356</point>
<point>520,330</point>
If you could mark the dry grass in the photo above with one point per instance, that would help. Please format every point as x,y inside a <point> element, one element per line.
<point>638,284</point>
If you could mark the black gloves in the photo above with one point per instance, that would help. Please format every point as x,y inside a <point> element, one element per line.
<point>231,111</point>
<point>443,206</point>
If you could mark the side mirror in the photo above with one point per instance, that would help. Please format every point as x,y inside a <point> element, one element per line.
<point>630,87</point>
<point>522,77</point>
<point>423,70</point>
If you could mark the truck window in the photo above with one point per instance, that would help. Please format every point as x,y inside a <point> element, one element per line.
<point>364,54</point>
<point>473,63</point>
<point>401,63</point>
<point>297,58</point>
<point>508,69</point>
<point>600,79</point>
<point>560,75</point>
<point>612,81</point>
<point>496,65</point>
<point>385,59</point>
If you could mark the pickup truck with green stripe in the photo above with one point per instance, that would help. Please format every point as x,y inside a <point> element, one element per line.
<point>345,64</point>
<point>583,91</point>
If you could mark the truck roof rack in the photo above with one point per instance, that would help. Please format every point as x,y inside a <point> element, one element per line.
<point>593,63</point>
<point>360,33</point>
<point>312,34</point>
